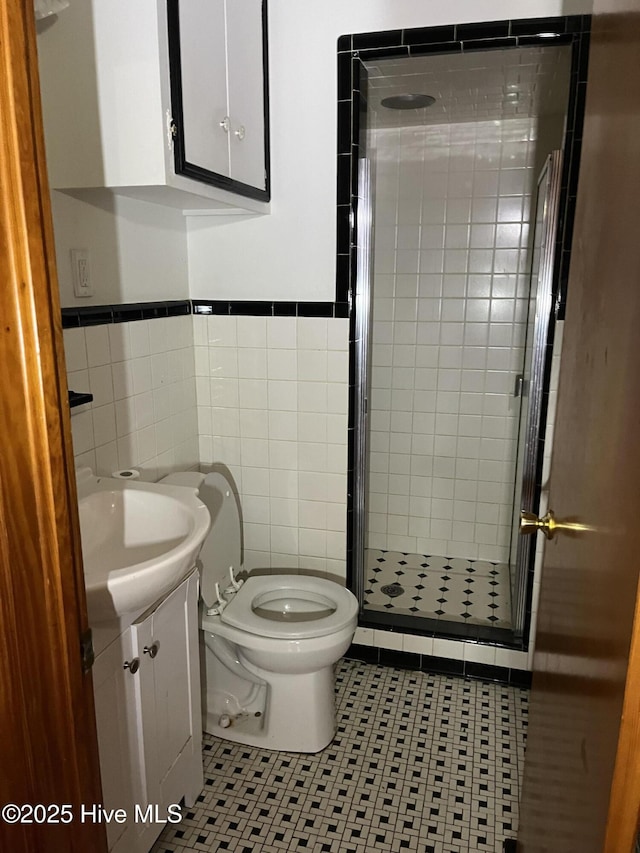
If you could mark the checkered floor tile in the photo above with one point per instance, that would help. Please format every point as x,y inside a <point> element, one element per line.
<point>423,763</point>
<point>445,588</point>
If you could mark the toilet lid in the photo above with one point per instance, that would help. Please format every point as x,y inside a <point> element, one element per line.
<point>221,549</point>
<point>293,607</point>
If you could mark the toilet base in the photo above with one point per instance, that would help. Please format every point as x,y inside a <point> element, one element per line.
<point>300,712</point>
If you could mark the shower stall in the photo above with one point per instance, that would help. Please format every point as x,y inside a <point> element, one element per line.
<point>459,181</point>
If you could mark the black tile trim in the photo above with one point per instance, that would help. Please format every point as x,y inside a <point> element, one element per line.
<point>100,315</point>
<point>489,43</point>
<point>441,666</point>
<point>94,316</point>
<point>429,35</point>
<point>536,31</point>
<point>571,30</point>
<point>426,627</point>
<point>270,309</point>
<point>251,309</point>
<point>483,30</point>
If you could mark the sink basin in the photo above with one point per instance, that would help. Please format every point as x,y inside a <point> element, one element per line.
<point>138,541</point>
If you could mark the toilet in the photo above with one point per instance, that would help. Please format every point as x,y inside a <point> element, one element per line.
<point>268,644</point>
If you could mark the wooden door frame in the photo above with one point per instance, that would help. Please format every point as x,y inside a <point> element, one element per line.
<point>48,739</point>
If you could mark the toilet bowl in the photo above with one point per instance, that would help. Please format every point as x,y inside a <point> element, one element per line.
<point>268,645</point>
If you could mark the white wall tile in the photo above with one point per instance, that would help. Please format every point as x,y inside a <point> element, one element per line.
<point>458,365</point>
<point>130,422</point>
<point>75,349</point>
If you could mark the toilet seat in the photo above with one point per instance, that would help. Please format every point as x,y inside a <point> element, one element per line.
<point>265,604</point>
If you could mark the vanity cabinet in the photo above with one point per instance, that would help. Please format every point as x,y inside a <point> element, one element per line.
<point>149,719</point>
<point>160,100</point>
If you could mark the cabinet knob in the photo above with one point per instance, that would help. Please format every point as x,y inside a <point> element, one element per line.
<point>225,124</point>
<point>132,665</point>
<point>151,650</point>
<point>240,132</point>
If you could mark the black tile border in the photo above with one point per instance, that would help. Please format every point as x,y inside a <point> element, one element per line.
<point>439,666</point>
<point>100,315</point>
<point>271,309</point>
<point>572,30</point>
<point>426,627</point>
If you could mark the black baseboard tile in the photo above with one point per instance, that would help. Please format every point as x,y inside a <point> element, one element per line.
<point>520,678</point>
<point>441,666</point>
<point>366,654</point>
<point>402,660</point>
<point>438,665</point>
<point>510,845</point>
<point>486,672</point>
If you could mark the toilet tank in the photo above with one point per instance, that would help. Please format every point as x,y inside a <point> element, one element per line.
<point>222,547</point>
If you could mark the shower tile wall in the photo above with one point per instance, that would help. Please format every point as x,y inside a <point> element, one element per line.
<point>469,651</point>
<point>272,405</point>
<point>450,280</point>
<point>143,414</point>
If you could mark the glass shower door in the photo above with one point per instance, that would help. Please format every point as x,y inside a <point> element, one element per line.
<point>529,384</point>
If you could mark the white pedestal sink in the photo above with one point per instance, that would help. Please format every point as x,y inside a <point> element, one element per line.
<point>139,540</point>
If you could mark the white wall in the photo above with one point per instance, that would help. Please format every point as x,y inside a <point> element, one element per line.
<point>138,251</point>
<point>291,253</point>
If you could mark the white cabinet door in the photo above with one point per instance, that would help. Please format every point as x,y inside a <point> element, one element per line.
<point>218,92</point>
<point>203,66</point>
<point>245,58</point>
<point>167,644</point>
<point>171,681</point>
<point>116,692</point>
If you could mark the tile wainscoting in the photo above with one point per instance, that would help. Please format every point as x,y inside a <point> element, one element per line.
<point>272,396</point>
<point>143,414</point>
<point>268,397</point>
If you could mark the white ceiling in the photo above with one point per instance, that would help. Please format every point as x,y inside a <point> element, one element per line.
<point>478,86</point>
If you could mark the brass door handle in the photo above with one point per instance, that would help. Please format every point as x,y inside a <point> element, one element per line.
<point>530,523</point>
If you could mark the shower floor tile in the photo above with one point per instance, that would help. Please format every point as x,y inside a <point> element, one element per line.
<point>449,589</point>
<point>413,767</point>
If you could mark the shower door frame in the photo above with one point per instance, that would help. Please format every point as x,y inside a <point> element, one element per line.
<point>354,230</point>
<point>526,488</point>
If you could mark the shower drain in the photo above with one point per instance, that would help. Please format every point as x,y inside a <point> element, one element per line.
<point>393,590</point>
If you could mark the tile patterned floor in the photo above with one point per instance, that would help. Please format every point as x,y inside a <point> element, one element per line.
<point>421,762</point>
<point>450,589</point>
